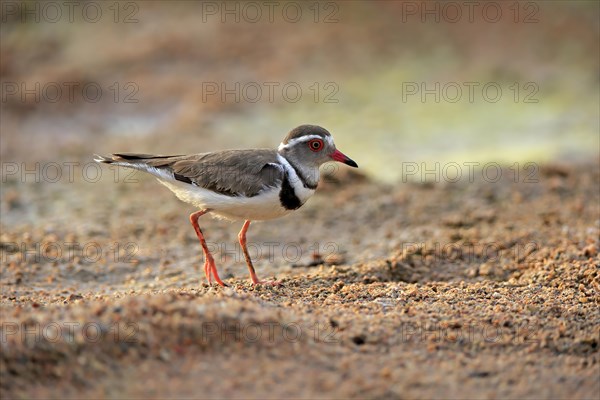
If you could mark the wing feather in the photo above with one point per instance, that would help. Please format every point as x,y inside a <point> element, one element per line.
<point>229,172</point>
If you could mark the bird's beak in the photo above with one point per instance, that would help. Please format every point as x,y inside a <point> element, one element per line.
<point>341,157</point>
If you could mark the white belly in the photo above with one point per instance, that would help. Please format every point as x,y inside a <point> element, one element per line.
<point>265,205</point>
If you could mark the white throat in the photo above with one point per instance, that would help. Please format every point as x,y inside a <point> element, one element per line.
<point>301,191</point>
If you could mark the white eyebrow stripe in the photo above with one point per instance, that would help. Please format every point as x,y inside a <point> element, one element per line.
<point>304,139</point>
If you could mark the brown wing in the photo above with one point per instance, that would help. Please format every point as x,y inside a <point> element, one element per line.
<point>229,172</point>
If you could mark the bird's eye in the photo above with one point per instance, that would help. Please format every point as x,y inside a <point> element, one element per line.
<point>315,145</point>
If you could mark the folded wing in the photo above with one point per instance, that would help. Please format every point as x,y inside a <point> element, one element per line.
<point>230,172</point>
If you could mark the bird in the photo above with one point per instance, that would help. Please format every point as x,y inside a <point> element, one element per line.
<point>242,185</point>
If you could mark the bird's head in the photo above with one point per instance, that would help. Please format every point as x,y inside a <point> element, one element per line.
<point>312,145</point>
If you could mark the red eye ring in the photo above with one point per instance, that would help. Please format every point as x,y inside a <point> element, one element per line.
<point>315,145</point>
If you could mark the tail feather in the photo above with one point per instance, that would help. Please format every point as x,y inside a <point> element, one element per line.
<point>131,157</point>
<point>155,165</point>
<point>139,156</point>
<point>102,159</point>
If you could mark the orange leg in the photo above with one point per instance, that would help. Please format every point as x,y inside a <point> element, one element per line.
<point>242,239</point>
<point>209,263</point>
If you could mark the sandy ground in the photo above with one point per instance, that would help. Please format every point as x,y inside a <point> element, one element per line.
<point>443,290</point>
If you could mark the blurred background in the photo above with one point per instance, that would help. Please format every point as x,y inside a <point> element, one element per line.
<point>393,81</point>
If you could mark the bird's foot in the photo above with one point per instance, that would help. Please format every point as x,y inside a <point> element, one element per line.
<point>217,279</point>
<point>210,270</point>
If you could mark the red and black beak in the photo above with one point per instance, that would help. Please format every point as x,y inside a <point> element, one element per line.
<point>341,157</point>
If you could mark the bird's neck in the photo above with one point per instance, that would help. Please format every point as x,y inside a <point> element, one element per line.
<point>308,174</point>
